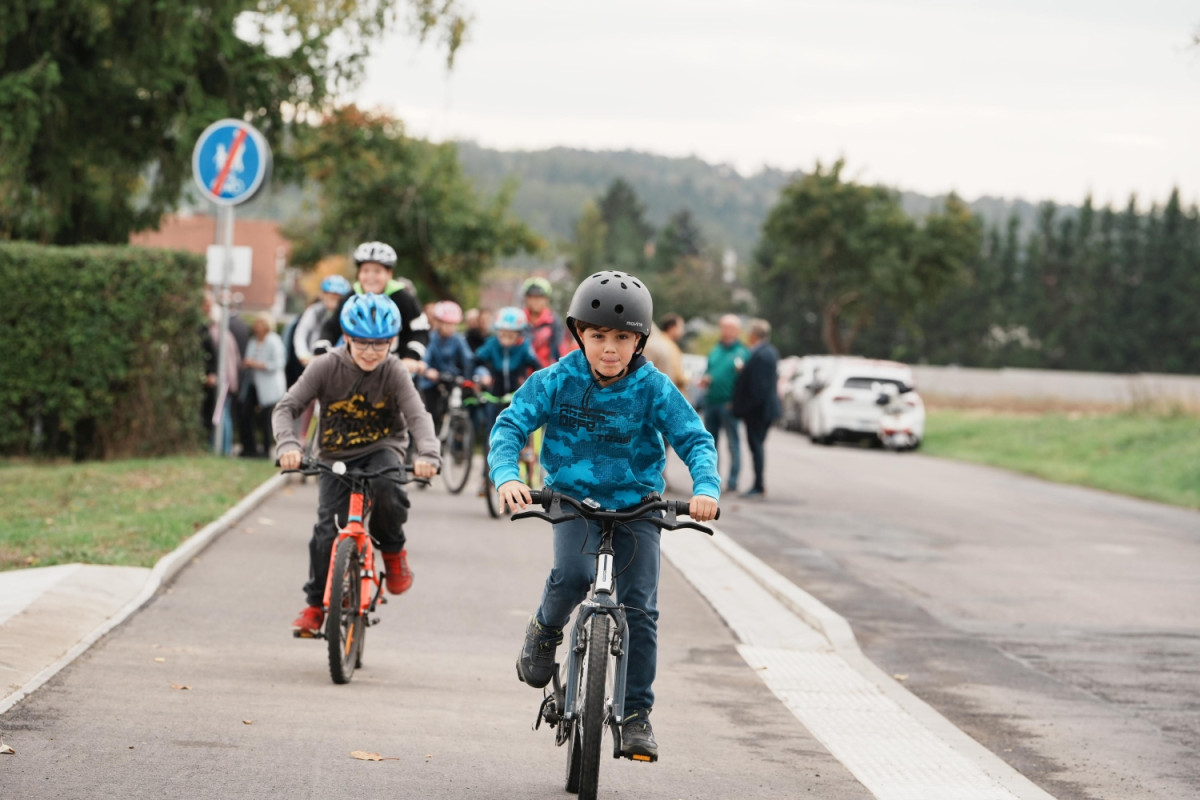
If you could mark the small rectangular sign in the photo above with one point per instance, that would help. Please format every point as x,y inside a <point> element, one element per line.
<point>240,273</point>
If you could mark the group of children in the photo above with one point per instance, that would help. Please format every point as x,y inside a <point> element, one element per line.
<point>607,414</point>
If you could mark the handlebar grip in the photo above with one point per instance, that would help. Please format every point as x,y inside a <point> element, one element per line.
<point>540,497</point>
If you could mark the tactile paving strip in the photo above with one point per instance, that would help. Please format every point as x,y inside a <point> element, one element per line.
<point>892,753</point>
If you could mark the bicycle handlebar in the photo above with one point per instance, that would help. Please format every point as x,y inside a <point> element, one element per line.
<point>552,501</point>
<point>310,466</point>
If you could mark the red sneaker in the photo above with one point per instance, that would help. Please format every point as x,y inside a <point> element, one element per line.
<point>308,624</point>
<point>399,576</point>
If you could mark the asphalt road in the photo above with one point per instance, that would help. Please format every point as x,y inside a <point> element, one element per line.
<point>437,696</point>
<point>1059,627</point>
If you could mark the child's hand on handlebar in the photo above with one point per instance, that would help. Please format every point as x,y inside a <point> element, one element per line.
<point>515,495</point>
<point>291,459</point>
<point>424,469</point>
<point>702,508</point>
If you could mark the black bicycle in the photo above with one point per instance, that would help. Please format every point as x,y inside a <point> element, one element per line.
<point>457,433</point>
<point>594,692</point>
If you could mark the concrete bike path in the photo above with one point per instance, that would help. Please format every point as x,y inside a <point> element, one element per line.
<point>203,692</point>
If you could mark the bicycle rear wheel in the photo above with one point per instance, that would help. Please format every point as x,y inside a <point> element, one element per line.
<point>589,726</point>
<point>344,622</point>
<point>457,452</point>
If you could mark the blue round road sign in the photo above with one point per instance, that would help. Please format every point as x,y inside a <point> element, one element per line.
<point>230,161</point>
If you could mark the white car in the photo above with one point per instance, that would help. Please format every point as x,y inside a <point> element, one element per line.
<point>798,389</point>
<point>851,396</point>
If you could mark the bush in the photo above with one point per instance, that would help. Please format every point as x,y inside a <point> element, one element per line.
<point>104,356</point>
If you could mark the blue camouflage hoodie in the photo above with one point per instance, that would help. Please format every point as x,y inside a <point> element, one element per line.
<point>604,443</point>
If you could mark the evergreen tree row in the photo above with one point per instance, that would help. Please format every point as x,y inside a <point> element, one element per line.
<point>1091,289</point>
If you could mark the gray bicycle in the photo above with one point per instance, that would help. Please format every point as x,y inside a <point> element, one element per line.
<point>589,695</point>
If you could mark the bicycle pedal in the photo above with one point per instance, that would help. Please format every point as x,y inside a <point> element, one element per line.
<point>372,620</point>
<point>645,759</point>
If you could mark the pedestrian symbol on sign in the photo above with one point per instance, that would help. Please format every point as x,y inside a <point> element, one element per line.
<point>230,161</point>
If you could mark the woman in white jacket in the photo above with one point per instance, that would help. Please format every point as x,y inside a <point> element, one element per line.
<point>265,357</point>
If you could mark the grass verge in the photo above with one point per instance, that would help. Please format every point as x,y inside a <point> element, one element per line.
<point>1153,456</point>
<point>128,513</point>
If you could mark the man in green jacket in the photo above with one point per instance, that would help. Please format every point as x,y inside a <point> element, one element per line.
<point>724,362</point>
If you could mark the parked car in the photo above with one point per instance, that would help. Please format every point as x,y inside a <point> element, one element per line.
<point>850,398</point>
<point>798,387</point>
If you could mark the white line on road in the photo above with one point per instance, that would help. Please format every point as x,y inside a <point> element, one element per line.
<point>894,744</point>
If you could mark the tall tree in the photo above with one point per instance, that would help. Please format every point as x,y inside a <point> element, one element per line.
<point>844,250</point>
<point>628,232</point>
<point>680,238</point>
<point>378,183</point>
<point>590,237</point>
<point>101,101</point>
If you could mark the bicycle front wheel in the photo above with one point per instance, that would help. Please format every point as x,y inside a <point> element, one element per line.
<point>589,726</point>
<point>457,452</point>
<point>344,622</point>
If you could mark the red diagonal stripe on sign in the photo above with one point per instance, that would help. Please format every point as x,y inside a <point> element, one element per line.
<point>237,144</point>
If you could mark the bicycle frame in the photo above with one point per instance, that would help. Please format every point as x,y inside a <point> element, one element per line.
<point>601,601</point>
<point>559,707</point>
<point>355,528</point>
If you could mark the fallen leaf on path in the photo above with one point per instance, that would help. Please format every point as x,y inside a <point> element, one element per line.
<point>900,677</point>
<point>180,686</point>
<point>247,722</point>
<point>160,660</point>
<point>363,755</point>
<point>5,750</point>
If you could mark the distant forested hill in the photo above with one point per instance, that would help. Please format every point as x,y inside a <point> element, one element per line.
<point>554,185</point>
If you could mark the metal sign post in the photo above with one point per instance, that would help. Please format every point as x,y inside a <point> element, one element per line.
<point>230,162</point>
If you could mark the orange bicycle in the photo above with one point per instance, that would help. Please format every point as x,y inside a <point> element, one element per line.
<point>354,588</point>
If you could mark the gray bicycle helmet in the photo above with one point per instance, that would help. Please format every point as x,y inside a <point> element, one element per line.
<point>611,299</point>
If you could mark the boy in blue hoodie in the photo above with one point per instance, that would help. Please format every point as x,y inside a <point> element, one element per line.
<point>606,410</point>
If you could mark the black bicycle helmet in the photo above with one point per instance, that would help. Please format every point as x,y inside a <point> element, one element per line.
<point>611,299</point>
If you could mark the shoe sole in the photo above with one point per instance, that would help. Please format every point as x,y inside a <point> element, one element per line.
<point>521,677</point>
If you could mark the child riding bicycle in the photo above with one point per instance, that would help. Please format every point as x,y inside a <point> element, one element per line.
<point>369,407</point>
<point>606,410</point>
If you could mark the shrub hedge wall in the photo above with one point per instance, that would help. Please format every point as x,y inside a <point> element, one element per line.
<point>102,351</point>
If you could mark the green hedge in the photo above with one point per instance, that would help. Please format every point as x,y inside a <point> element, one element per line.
<point>102,351</point>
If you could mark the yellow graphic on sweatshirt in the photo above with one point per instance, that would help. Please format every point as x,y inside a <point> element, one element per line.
<point>354,422</point>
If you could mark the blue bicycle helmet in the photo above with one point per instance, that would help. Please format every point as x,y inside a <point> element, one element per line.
<point>336,284</point>
<point>510,319</point>
<point>370,316</point>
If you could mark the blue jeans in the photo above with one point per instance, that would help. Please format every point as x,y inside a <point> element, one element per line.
<point>636,566</point>
<point>721,418</point>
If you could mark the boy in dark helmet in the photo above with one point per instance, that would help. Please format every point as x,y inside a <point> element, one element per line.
<point>606,410</point>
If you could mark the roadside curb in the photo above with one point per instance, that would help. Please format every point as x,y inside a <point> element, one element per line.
<point>840,635</point>
<point>167,567</point>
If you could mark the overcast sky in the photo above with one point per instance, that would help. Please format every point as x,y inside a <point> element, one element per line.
<point>1041,100</point>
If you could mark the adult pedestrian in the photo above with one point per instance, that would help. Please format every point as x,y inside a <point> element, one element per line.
<point>219,402</point>
<point>264,361</point>
<point>725,361</point>
<point>756,398</point>
<point>664,352</point>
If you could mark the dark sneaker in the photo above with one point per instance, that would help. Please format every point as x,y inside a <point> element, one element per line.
<point>308,624</point>
<point>637,737</point>
<point>535,665</point>
<point>399,576</point>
